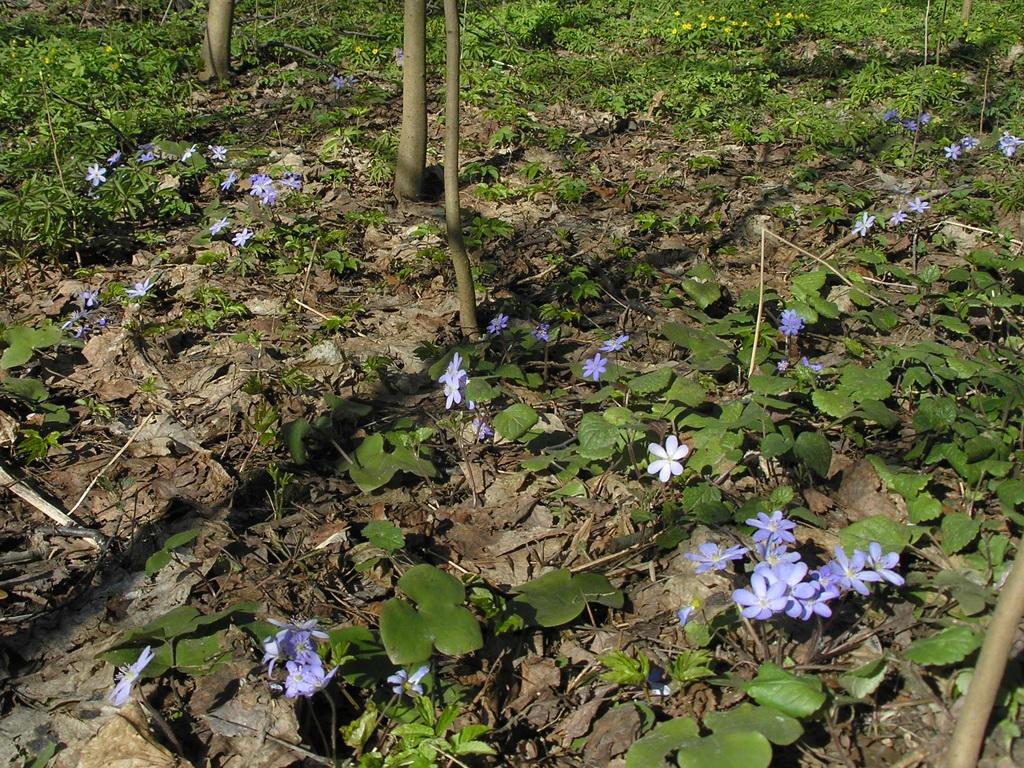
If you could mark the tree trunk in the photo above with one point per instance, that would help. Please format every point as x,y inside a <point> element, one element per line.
<point>452,208</point>
<point>217,40</point>
<point>965,11</point>
<point>412,145</point>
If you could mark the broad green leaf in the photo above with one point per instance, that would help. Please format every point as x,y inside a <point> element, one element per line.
<point>769,385</point>
<point>404,633</point>
<point>704,294</point>
<point>707,351</point>
<point>958,530</point>
<point>181,539</point>
<point>650,750</point>
<point>874,410</point>
<point>685,392</point>
<point>739,749</point>
<point>200,655</point>
<point>777,727</point>
<point>833,403</point>
<point>156,561</point>
<point>891,535</point>
<point>815,451</point>
<point>807,284</point>
<point>649,383</point>
<point>923,507</point>
<point>948,646</point>
<point>597,589</point>
<point>480,390</point>
<point>795,695</point>
<point>597,436</point>
<point>864,680</point>
<point>294,432</point>
<point>428,586</point>
<point>775,445</point>
<point>23,341</point>
<point>454,628</point>
<point>384,534</point>
<point>515,421</point>
<point>32,390</point>
<point>550,600</point>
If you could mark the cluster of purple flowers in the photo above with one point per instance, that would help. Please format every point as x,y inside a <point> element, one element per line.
<point>83,320</point>
<point>782,583</point>
<point>783,365</point>
<point>296,646</point>
<point>239,238</point>
<point>866,221</point>
<point>341,82</point>
<point>453,382</point>
<point>96,174</point>
<point>1008,144</point>
<point>911,125</point>
<point>263,185</point>
<point>595,367</point>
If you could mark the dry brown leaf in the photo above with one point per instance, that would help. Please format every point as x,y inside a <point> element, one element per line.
<point>125,741</point>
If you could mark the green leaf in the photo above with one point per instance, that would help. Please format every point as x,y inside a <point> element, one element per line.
<point>454,629</point>
<point>200,655</point>
<point>597,437</point>
<point>865,383</point>
<point>685,392</point>
<point>775,445</point>
<point>181,539</point>
<point>404,633</point>
<point>807,284</point>
<point>866,679</point>
<point>795,695</point>
<point>704,294</point>
<point>707,351</point>
<point>833,403</point>
<point>741,749</point>
<point>294,432</point>
<point>156,561</point>
<point>372,467</point>
<point>480,390</point>
<point>769,385</point>
<point>777,727</point>
<point>23,341</point>
<point>384,534</point>
<point>923,507</point>
<point>815,451</point>
<point>873,410</point>
<point>515,421</point>
<point>948,646</point>
<point>557,598</point>
<point>429,586</point>
<point>650,750</point>
<point>649,383</point>
<point>958,530</point>
<point>891,535</point>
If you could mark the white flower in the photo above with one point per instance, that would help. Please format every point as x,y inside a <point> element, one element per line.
<point>669,459</point>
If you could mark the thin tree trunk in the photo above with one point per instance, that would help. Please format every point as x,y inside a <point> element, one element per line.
<point>965,11</point>
<point>217,40</point>
<point>452,207</point>
<point>412,145</point>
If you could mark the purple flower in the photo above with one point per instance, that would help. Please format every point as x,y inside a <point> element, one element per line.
<point>1008,144</point>
<point>883,564</point>
<point>791,323</point>
<point>404,683</point>
<point>540,333</point>
<point>863,224</point>
<point>765,598</point>
<point>292,180</point>
<point>595,367</point>
<point>146,155</point>
<point>782,366</point>
<point>97,174</point>
<point>399,57</point>
<point>669,459</point>
<point>898,217</point>
<point>918,206</point>
<point>969,143</point>
<point>231,179</point>
<point>261,184</point>
<point>910,125</point>
<point>711,557</point>
<point>616,344</point>
<point>771,553</point>
<point>89,298</point>
<point>953,151</point>
<point>305,677</point>
<point>243,237</point>
<point>924,118</point>
<point>268,197</point>
<point>340,82</point>
<point>139,290</point>
<point>187,154</point>
<point>114,158</point>
<point>498,324</point>
<point>453,381</point>
<point>295,644</point>
<point>775,528</point>
<point>890,115</point>
<point>218,226</point>
<point>683,614</point>
<point>219,153</point>
<point>482,428</point>
<point>127,676</point>
<point>816,367</point>
<point>851,571</point>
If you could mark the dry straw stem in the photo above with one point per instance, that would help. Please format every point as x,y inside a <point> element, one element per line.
<point>969,733</point>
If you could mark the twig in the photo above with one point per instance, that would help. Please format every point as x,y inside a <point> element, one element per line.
<point>32,497</point>
<point>96,479</point>
<point>969,732</point>
<point>760,311</point>
<point>296,49</point>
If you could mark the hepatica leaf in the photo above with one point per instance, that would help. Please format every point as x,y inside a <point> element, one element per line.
<point>948,646</point>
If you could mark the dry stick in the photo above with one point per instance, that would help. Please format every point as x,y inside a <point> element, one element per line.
<point>984,96</point>
<point>31,496</point>
<point>969,732</point>
<point>760,311</point>
<point>92,483</point>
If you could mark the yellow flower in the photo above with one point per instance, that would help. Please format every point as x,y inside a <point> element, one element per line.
<point>374,51</point>
<point>743,24</point>
<point>675,31</point>
<point>46,60</point>
<point>108,49</point>
<point>789,15</point>
<point>644,31</point>
<point>728,30</point>
<point>687,27</point>
<point>883,9</point>
<point>359,49</point>
<point>677,13</point>
<point>703,25</point>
